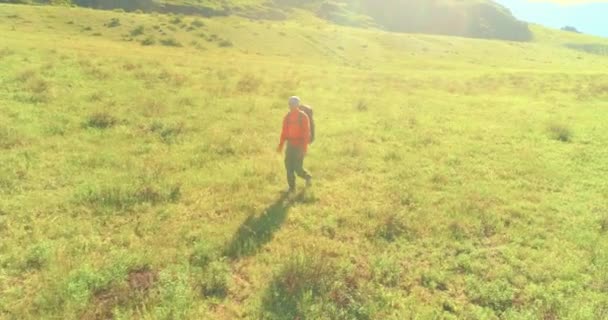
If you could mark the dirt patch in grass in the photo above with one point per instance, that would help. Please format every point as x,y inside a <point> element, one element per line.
<point>138,285</point>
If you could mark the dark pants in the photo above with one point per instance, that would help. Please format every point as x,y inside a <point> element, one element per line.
<point>294,164</point>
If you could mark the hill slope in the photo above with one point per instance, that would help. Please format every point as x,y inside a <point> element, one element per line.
<point>454,178</point>
<point>470,18</point>
<point>477,19</point>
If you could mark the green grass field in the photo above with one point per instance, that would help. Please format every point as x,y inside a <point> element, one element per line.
<point>454,178</point>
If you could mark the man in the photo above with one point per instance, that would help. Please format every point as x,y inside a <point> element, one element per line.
<point>296,131</point>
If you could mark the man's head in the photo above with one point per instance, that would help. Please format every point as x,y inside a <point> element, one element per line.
<point>294,102</point>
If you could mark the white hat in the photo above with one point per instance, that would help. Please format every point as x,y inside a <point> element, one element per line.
<point>294,101</point>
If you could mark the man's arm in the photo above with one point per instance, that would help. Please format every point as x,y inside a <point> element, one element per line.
<point>306,129</point>
<point>283,136</point>
<point>312,127</point>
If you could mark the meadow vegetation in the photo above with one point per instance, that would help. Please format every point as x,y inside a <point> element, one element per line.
<point>468,18</point>
<point>454,178</point>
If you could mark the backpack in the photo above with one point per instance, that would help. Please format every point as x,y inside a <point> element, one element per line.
<point>309,113</point>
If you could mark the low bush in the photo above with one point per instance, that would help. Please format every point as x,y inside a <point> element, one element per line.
<point>560,132</point>
<point>113,23</point>
<point>225,44</point>
<point>137,31</point>
<point>149,41</point>
<point>101,120</point>
<point>170,42</point>
<point>311,286</point>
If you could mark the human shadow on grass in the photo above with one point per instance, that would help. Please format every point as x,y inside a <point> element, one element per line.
<point>256,230</point>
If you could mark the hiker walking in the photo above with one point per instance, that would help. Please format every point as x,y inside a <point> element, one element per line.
<point>298,131</point>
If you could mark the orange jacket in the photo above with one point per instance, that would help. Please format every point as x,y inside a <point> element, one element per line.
<point>296,130</point>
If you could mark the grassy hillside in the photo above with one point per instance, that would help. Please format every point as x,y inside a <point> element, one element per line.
<point>454,178</point>
<point>468,18</point>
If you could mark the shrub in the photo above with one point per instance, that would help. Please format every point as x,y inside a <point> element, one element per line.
<point>497,294</point>
<point>603,222</point>
<point>153,194</point>
<point>137,31</point>
<point>101,120</point>
<point>80,285</point>
<point>433,279</point>
<point>39,89</point>
<point>56,129</point>
<point>202,254</point>
<point>248,84</point>
<point>386,270</point>
<point>113,23</point>
<point>167,133</point>
<point>197,23</point>
<point>215,280</point>
<point>25,75</point>
<point>225,44</point>
<point>392,156</point>
<point>317,288</point>
<point>149,41</point>
<point>37,256</point>
<point>141,279</point>
<point>3,220</point>
<point>570,29</point>
<point>459,230</point>
<point>105,301</point>
<point>126,196</point>
<point>361,106</point>
<point>560,132</point>
<point>38,86</point>
<point>9,138</point>
<point>175,294</point>
<point>176,20</point>
<point>170,42</point>
<point>395,226</point>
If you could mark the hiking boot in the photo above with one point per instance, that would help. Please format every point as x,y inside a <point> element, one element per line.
<point>308,182</point>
